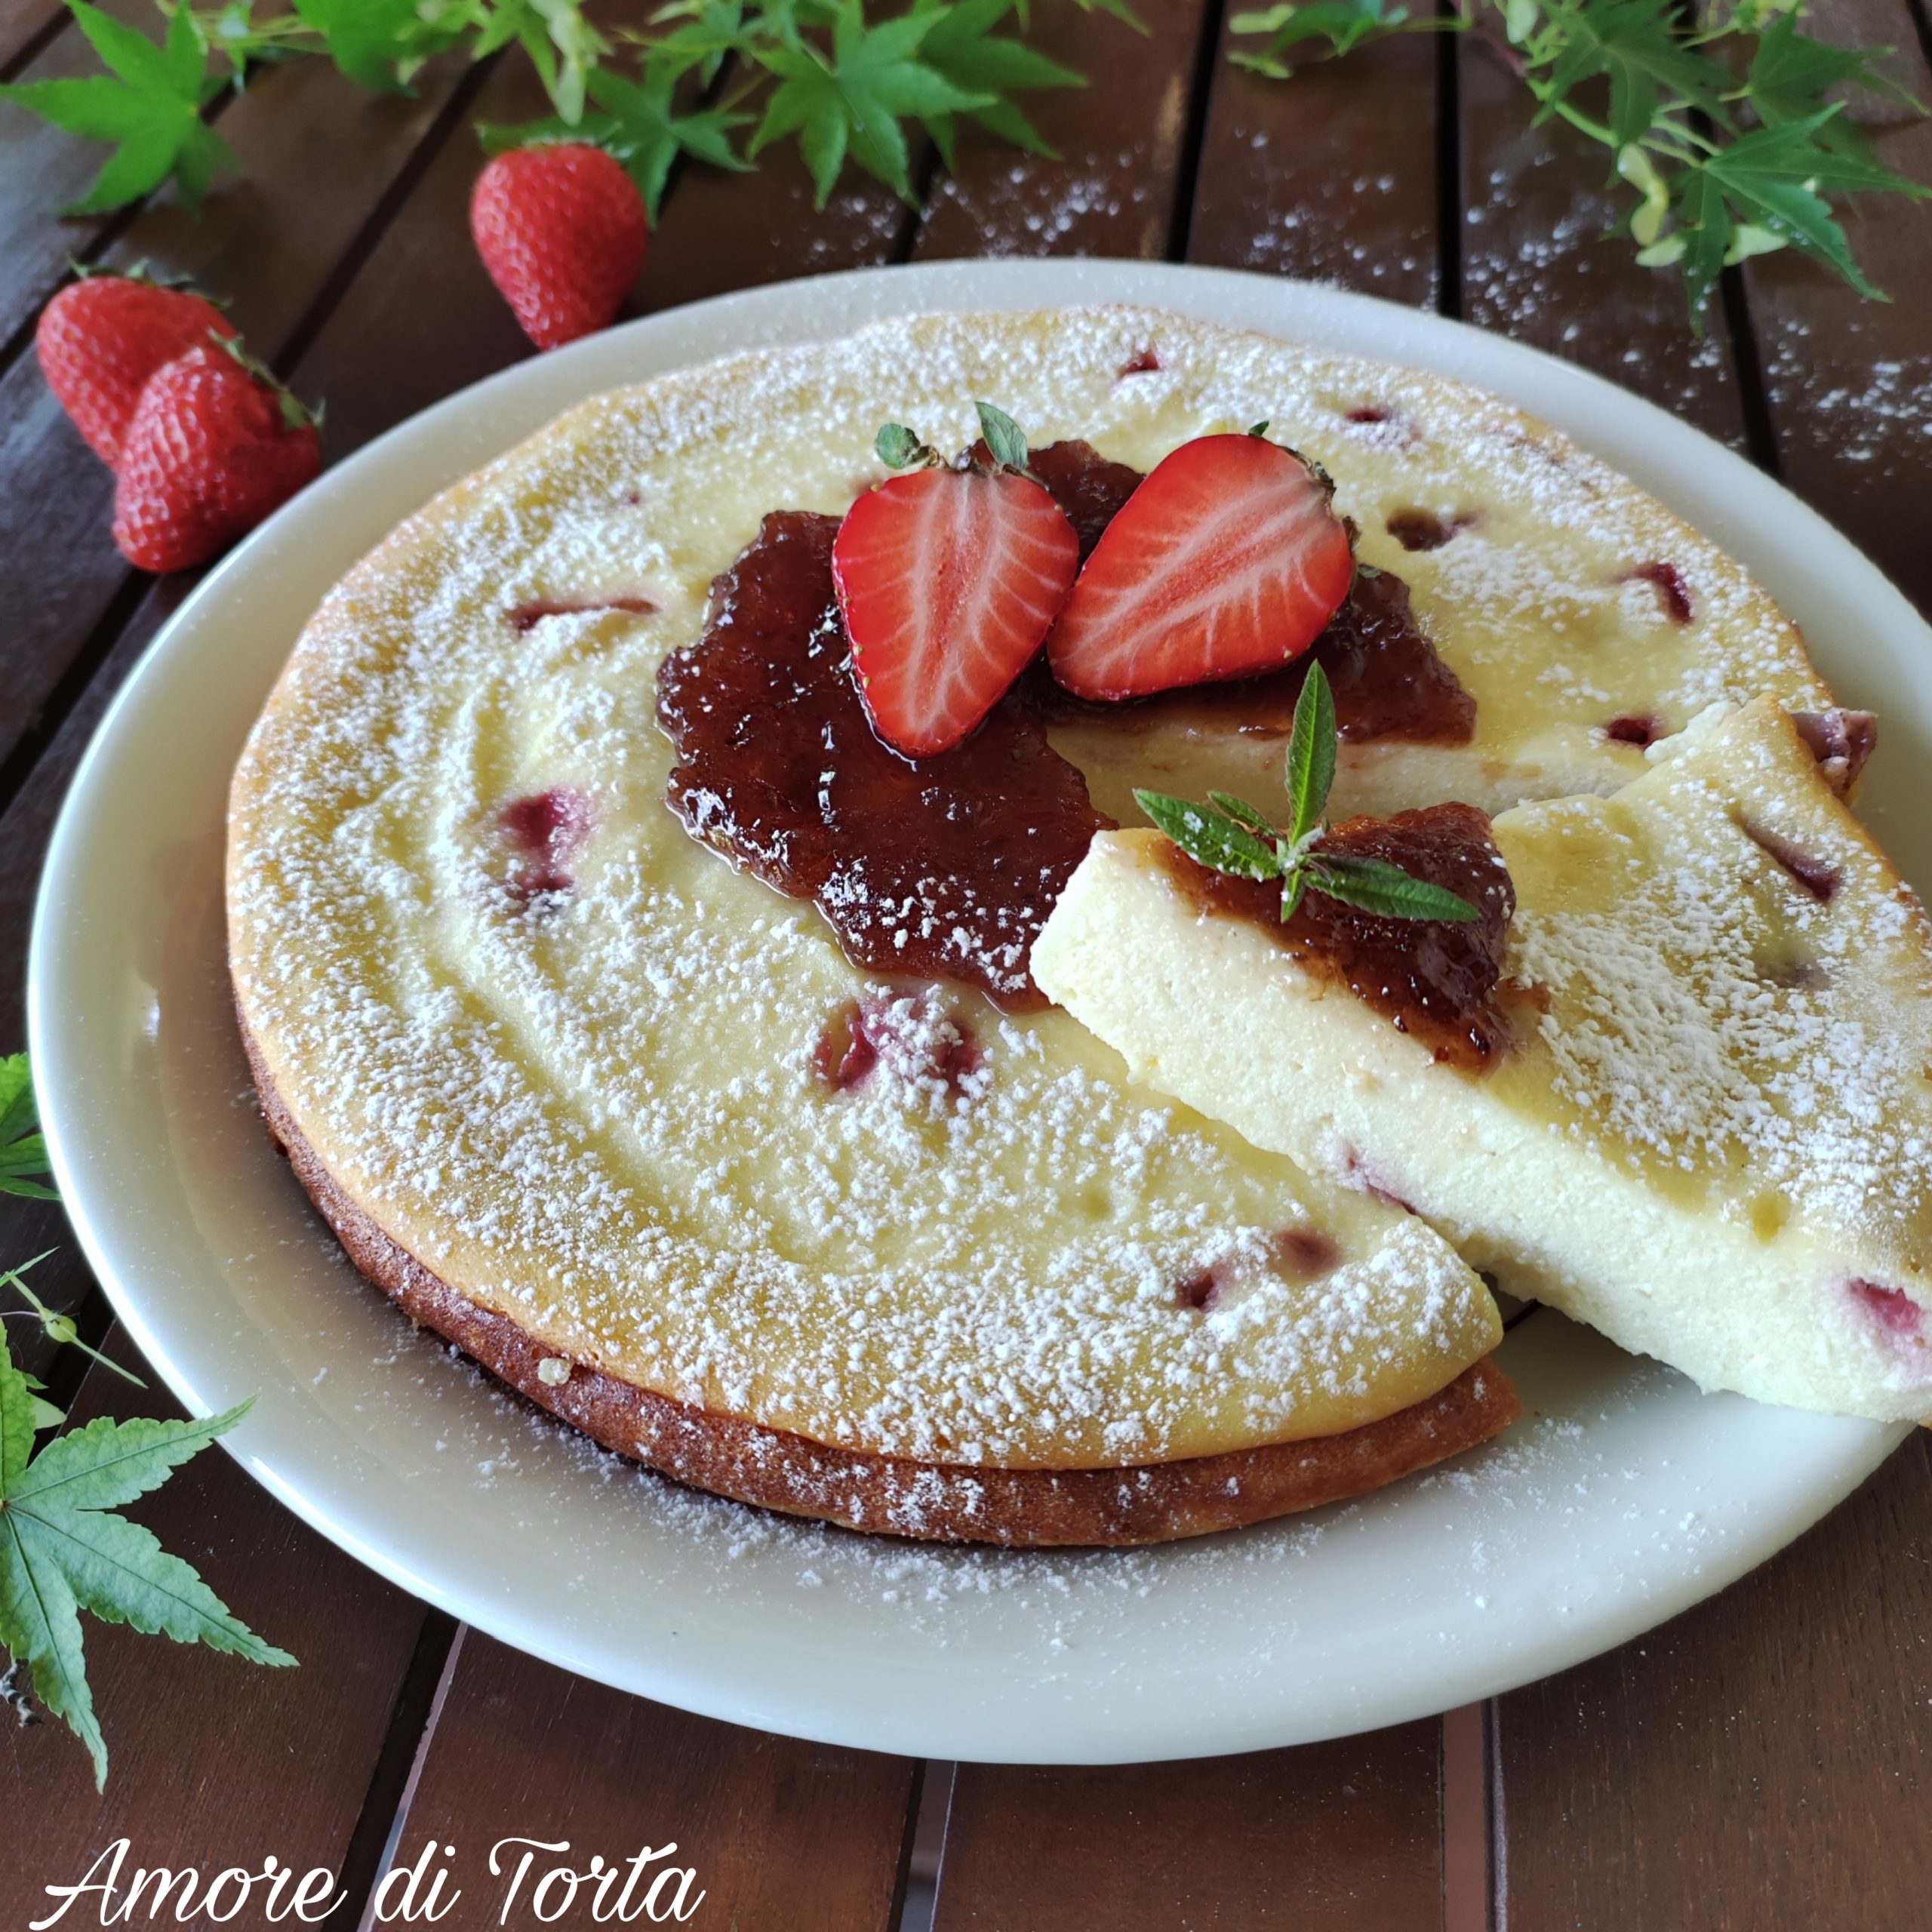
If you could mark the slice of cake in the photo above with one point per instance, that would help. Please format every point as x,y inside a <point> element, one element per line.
<point>1676,1079</point>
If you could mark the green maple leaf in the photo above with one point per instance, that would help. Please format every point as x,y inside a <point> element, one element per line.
<point>370,40</point>
<point>961,47</point>
<point>62,1552</point>
<point>852,101</point>
<point>1791,75</point>
<point>647,133</point>
<point>149,105</point>
<point>22,1148</point>
<point>1343,24</point>
<point>637,122</point>
<point>1637,45</point>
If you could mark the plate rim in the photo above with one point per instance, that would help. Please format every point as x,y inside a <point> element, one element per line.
<point>846,299</point>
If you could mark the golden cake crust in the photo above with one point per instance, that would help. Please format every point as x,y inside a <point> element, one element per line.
<point>1158,1503</point>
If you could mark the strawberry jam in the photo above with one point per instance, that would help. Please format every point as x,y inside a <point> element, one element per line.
<point>1433,978</point>
<point>942,867</point>
<point>1387,679</point>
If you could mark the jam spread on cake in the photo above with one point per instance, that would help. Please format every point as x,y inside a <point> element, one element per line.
<point>942,867</point>
<point>1434,979</point>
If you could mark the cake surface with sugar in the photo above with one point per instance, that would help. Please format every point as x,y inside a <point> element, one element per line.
<point>1708,1134</point>
<point>586,1075</point>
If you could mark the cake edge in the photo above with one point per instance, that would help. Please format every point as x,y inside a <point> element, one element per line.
<point>772,1468</point>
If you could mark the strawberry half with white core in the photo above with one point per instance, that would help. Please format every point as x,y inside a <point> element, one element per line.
<point>1228,560</point>
<point>948,580</point>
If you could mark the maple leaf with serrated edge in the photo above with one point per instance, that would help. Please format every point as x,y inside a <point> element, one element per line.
<point>149,105</point>
<point>23,1147</point>
<point>852,101</point>
<point>370,40</point>
<point>637,122</point>
<point>1343,24</point>
<point>1228,835</point>
<point>961,46</point>
<point>1791,73</point>
<point>1636,45</point>
<point>62,1552</point>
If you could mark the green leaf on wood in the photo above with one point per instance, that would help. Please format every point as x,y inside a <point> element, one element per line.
<point>149,105</point>
<point>61,1551</point>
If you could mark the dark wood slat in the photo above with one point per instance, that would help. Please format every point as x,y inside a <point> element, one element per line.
<point>22,23</point>
<point>782,1836</point>
<point>1537,264</point>
<point>1118,141</point>
<point>1331,175</point>
<point>62,1280</point>
<point>323,154</point>
<point>215,1762</point>
<point>1345,1835</point>
<point>1849,383</point>
<point>1762,1762</point>
<point>720,232</point>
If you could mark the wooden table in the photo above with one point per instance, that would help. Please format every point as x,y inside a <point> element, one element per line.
<point>1758,1763</point>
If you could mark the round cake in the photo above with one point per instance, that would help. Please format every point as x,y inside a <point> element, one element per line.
<point>764,1162</point>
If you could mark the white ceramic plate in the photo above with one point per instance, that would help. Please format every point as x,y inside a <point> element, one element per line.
<point>1624,1496</point>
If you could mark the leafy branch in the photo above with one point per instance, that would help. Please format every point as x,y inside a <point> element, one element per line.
<point>1227,835</point>
<point>842,85</point>
<point>62,1550</point>
<point>1731,138</point>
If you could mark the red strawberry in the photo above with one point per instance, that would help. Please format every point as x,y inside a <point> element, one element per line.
<point>215,445</point>
<point>561,230</point>
<point>1228,560</point>
<point>102,337</point>
<point>948,580</point>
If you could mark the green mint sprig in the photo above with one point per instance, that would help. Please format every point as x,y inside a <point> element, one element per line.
<point>1227,835</point>
<point>1731,134</point>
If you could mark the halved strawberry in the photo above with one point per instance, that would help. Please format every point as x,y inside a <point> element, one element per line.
<point>1228,560</point>
<point>948,580</point>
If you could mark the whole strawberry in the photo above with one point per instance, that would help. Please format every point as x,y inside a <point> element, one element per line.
<point>215,445</point>
<point>102,337</point>
<point>561,230</point>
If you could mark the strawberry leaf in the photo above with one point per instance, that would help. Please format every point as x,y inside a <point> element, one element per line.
<point>61,1551</point>
<point>1004,437</point>
<point>149,105</point>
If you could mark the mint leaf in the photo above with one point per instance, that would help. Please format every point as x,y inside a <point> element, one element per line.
<point>1242,813</point>
<point>61,1551</point>
<point>1375,886</point>
<point>149,105</point>
<point>1311,754</point>
<point>1217,840</point>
